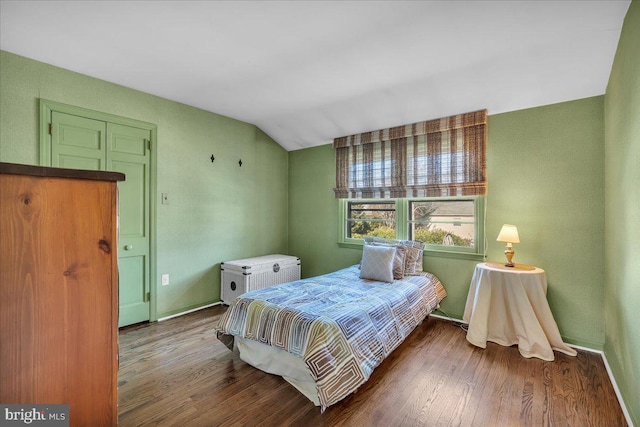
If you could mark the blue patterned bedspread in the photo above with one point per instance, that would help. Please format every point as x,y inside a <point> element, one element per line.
<point>342,326</point>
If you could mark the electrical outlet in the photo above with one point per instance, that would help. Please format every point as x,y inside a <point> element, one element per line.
<point>165,198</point>
<point>165,279</point>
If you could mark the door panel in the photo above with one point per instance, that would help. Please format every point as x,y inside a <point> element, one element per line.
<point>122,142</point>
<point>131,269</point>
<point>127,153</point>
<point>132,197</point>
<point>78,162</point>
<point>77,142</point>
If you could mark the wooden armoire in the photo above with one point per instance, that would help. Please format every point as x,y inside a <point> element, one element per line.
<point>59,290</point>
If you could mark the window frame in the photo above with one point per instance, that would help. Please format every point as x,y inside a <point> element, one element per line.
<point>478,252</point>
<point>372,202</point>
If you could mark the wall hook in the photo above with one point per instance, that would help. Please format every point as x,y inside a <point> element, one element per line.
<point>240,163</point>
<point>212,158</point>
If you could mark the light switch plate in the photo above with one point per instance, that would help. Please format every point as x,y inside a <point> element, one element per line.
<point>165,279</point>
<point>165,198</point>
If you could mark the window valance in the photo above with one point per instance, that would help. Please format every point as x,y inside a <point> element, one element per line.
<point>435,158</point>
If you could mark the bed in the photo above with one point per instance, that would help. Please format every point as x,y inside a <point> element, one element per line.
<point>325,335</point>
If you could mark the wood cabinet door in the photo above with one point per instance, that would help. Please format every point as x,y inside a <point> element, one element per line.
<point>58,295</point>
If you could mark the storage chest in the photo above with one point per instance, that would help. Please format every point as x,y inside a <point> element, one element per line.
<point>249,274</point>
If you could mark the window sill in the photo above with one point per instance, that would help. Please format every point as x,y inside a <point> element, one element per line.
<point>455,255</point>
<point>350,245</point>
<point>427,253</point>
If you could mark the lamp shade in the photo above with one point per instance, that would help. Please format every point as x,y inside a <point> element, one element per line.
<point>508,234</point>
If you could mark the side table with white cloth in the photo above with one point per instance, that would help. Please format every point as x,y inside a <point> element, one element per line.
<point>507,306</point>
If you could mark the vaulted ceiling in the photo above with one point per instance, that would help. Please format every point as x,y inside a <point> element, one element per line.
<point>306,72</point>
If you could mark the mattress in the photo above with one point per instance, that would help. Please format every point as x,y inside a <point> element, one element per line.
<point>340,326</point>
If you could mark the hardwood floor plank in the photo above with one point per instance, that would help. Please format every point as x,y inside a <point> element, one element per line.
<point>176,373</point>
<point>472,413</point>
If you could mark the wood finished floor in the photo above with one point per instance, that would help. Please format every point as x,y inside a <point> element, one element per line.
<point>175,373</point>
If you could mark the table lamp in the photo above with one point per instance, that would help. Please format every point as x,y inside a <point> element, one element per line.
<point>509,234</point>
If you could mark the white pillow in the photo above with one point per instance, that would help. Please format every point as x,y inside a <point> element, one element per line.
<point>377,263</point>
<point>399,260</point>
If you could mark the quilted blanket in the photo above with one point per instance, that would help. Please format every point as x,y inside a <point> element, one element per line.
<point>342,326</point>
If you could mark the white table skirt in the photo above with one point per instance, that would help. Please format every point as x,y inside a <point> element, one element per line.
<point>509,306</point>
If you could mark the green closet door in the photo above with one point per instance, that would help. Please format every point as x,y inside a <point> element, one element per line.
<point>83,143</point>
<point>127,153</point>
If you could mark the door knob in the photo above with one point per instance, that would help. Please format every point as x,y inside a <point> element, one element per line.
<point>128,247</point>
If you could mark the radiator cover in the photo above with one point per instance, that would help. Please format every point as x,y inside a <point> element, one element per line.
<point>250,274</point>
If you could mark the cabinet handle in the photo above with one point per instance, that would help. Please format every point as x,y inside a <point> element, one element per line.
<point>128,247</point>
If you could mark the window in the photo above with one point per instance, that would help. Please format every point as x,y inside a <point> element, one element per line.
<point>451,227</point>
<point>371,219</point>
<point>442,222</point>
<point>422,181</point>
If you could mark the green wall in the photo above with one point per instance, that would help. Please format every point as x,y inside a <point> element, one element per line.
<point>217,211</point>
<point>622,214</point>
<point>546,175</point>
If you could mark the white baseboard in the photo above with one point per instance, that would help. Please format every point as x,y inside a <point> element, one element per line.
<point>189,311</point>
<point>627,416</point>
<point>589,349</point>
<point>450,319</point>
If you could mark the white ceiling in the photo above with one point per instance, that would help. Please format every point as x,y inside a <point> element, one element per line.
<point>306,72</point>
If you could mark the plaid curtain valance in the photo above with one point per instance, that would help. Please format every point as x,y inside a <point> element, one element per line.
<point>435,158</point>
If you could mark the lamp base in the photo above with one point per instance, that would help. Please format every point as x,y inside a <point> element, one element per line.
<point>509,252</point>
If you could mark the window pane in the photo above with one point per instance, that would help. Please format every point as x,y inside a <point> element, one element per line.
<point>443,222</point>
<point>371,219</point>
